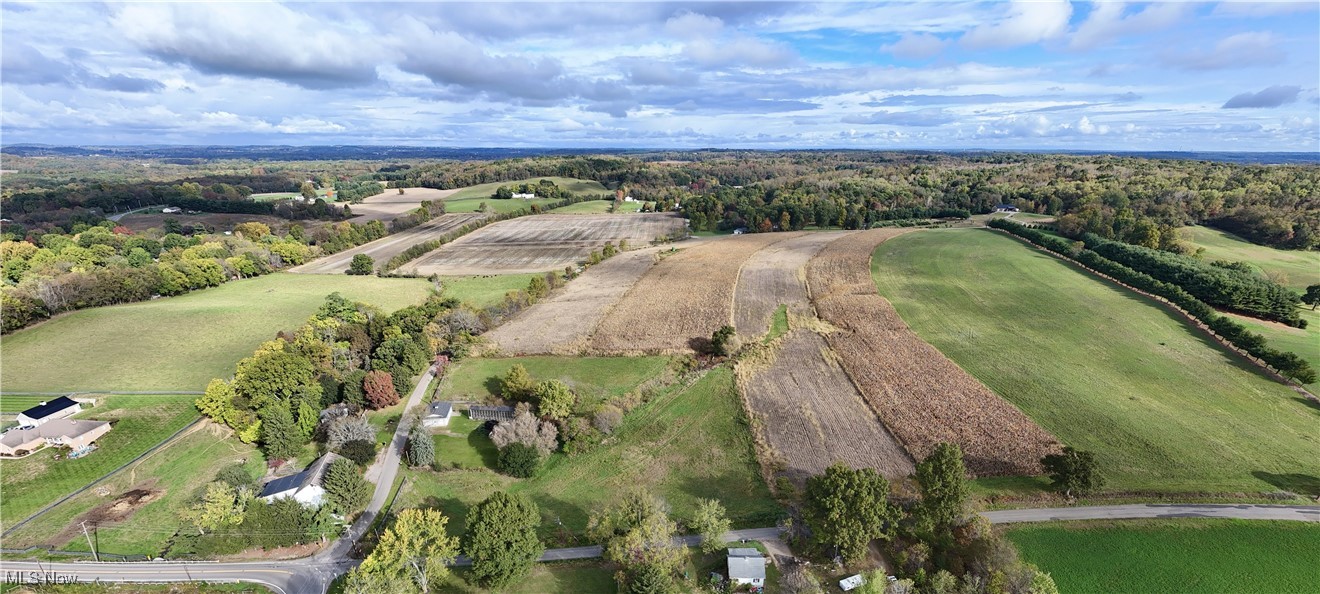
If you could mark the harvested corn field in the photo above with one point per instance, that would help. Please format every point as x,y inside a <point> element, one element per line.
<point>808,415</point>
<point>922,396</point>
<point>772,277</point>
<point>389,246</point>
<point>682,300</point>
<point>390,203</point>
<point>539,243</point>
<point>563,323</point>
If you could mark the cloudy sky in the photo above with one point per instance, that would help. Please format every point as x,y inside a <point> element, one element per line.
<point>1040,74</point>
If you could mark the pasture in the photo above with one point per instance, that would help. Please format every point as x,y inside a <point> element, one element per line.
<point>596,207</point>
<point>469,199</point>
<point>483,290</point>
<point>381,250</point>
<point>179,343</point>
<point>686,443</point>
<point>137,424</point>
<point>1304,342</point>
<point>1291,268</point>
<point>594,379</point>
<point>539,243</point>
<point>572,577</point>
<point>1103,369</point>
<point>1182,556</point>
<point>165,481</point>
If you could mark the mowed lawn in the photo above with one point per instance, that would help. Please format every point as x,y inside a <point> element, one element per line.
<point>1103,369</point>
<point>573,577</point>
<point>179,343</point>
<point>1183,556</point>
<point>485,290</point>
<point>470,198</point>
<point>592,378</point>
<point>684,445</point>
<point>137,424</point>
<point>1300,268</point>
<point>176,474</point>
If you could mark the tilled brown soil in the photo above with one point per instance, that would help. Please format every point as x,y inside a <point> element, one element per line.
<point>923,397</point>
<point>389,246</point>
<point>772,277</point>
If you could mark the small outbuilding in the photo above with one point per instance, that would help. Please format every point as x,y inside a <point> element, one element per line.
<point>304,487</point>
<point>438,414</point>
<point>59,408</point>
<point>747,568</point>
<point>490,413</point>
<point>851,582</point>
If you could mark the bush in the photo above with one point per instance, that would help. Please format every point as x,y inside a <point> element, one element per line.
<point>421,447</point>
<point>359,450</point>
<point>724,342</point>
<point>608,419</point>
<point>519,460</point>
<point>362,264</point>
<point>237,476</point>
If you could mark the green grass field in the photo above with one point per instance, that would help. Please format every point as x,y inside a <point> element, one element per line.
<point>12,404</point>
<point>592,378</point>
<point>471,197</point>
<point>1295,269</point>
<point>683,445</point>
<point>1183,556</point>
<point>588,207</point>
<point>179,343</point>
<point>1303,342</point>
<point>573,577</point>
<point>137,424</point>
<point>484,291</point>
<point>274,196</point>
<point>1100,367</point>
<point>176,472</point>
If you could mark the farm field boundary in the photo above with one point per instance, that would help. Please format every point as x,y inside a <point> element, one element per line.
<point>682,300</point>
<point>385,248</point>
<point>923,397</point>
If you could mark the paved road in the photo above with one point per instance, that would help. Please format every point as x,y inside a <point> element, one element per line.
<point>312,576</point>
<point>1303,513</point>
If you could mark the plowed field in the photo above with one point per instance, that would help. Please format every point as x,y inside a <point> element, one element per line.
<point>682,300</point>
<point>922,396</point>
<point>772,277</point>
<point>389,246</point>
<point>540,243</point>
<point>563,323</point>
<point>390,203</point>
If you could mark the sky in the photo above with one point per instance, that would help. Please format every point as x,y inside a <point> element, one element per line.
<point>1182,76</point>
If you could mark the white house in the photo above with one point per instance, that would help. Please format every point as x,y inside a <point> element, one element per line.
<point>1005,208</point>
<point>304,487</point>
<point>59,408</point>
<point>438,414</point>
<point>171,210</point>
<point>523,196</point>
<point>747,568</point>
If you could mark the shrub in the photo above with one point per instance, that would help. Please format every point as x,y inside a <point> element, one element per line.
<point>724,342</point>
<point>421,447</point>
<point>359,450</point>
<point>519,460</point>
<point>608,419</point>
<point>362,264</point>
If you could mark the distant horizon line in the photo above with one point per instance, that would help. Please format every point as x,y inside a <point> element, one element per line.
<point>4,146</point>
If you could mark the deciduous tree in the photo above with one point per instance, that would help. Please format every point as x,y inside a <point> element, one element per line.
<point>554,399</point>
<point>943,480</point>
<point>1073,470</point>
<point>711,522</point>
<point>637,531</point>
<point>379,386</point>
<point>847,509</point>
<point>416,546</point>
<point>501,539</point>
<point>517,383</point>
<point>361,265</point>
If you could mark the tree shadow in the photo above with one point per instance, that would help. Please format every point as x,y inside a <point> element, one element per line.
<point>453,509</point>
<point>481,443</point>
<point>493,384</point>
<point>700,344</point>
<point>563,524</point>
<point>1313,405</point>
<point>1303,484</point>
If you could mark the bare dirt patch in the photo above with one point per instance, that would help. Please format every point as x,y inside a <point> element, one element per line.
<point>684,298</point>
<point>539,243</point>
<point>772,277</point>
<point>563,323</point>
<point>923,397</point>
<point>118,510</point>
<point>808,415</point>
<point>390,204</point>
<point>389,246</point>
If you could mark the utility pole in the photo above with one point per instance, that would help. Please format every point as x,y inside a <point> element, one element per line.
<point>89,542</point>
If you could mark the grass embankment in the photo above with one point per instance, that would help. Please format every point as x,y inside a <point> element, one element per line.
<point>137,424</point>
<point>179,343</point>
<point>1296,269</point>
<point>484,290</point>
<point>683,445</point>
<point>1183,556</point>
<point>470,198</point>
<point>1163,407</point>
<point>1303,342</point>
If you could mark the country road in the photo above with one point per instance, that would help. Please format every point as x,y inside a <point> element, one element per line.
<point>313,576</point>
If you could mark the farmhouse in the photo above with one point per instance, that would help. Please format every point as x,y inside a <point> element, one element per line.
<point>747,568</point>
<point>77,435</point>
<point>1005,208</point>
<point>438,414</point>
<point>490,413</point>
<point>523,196</point>
<point>58,408</point>
<point>304,487</point>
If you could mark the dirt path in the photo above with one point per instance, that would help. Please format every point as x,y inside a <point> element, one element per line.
<point>563,323</point>
<point>772,277</point>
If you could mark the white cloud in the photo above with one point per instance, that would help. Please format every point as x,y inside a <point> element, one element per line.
<point>1107,22</point>
<point>740,51</point>
<point>915,46</point>
<point>691,25</point>
<point>1026,23</point>
<point>305,125</point>
<point>1238,51</point>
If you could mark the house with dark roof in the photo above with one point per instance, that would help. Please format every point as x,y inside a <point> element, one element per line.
<point>59,408</point>
<point>438,414</point>
<point>490,413</point>
<point>75,434</point>
<point>747,568</point>
<point>304,487</point>
<point>1005,208</point>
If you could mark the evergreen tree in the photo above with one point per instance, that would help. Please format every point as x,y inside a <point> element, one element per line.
<point>943,480</point>
<point>421,447</point>
<point>280,437</point>
<point>345,487</point>
<point>501,539</point>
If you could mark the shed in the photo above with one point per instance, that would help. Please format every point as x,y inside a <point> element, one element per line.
<point>58,408</point>
<point>851,582</point>
<point>747,567</point>
<point>490,413</point>
<point>438,414</point>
